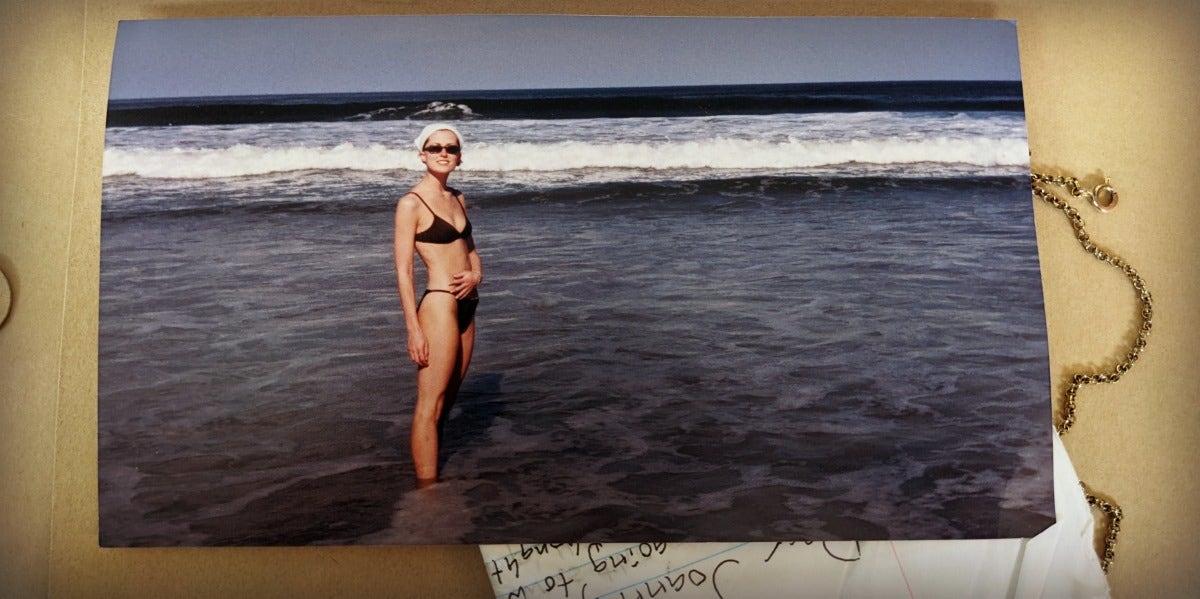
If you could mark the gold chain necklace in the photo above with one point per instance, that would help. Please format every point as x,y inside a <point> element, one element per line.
<point>1104,198</point>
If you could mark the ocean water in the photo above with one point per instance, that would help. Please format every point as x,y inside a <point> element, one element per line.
<point>754,313</point>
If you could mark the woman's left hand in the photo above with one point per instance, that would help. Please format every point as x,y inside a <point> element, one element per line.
<point>463,283</point>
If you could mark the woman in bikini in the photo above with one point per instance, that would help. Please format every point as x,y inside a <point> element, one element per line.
<point>431,221</point>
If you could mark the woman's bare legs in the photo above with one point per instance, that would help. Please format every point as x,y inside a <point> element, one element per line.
<point>467,345</point>
<point>438,383</point>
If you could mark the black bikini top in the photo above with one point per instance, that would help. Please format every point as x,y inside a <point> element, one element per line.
<point>441,231</point>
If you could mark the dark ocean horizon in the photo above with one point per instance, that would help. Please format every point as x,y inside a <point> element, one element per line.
<point>573,103</point>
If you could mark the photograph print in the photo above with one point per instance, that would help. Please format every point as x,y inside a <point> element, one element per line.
<point>501,279</point>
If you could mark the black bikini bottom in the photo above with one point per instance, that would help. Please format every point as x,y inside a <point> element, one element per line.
<point>466,306</point>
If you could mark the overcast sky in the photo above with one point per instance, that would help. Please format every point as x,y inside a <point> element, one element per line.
<point>201,57</point>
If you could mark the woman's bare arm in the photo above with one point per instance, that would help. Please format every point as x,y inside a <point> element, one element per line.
<point>463,283</point>
<point>404,249</point>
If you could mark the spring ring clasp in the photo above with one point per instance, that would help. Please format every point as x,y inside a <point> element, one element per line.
<point>1104,197</point>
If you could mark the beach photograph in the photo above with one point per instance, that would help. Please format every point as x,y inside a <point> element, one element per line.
<point>732,279</point>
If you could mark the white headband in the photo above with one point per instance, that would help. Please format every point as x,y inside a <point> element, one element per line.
<point>430,129</point>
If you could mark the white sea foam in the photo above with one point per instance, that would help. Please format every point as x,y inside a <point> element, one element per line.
<point>243,159</point>
<point>739,154</point>
<point>704,154</point>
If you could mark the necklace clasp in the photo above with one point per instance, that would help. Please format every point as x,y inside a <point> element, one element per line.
<point>1104,197</point>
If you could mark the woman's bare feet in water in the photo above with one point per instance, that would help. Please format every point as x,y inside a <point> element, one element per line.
<point>423,483</point>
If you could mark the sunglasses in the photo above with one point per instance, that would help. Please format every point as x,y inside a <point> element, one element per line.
<point>438,149</point>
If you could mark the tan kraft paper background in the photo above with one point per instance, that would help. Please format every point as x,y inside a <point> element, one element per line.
<point>1110,87</point>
